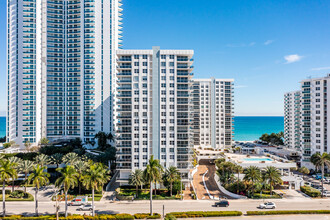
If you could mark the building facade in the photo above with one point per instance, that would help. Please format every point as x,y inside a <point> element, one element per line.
<point>213,112</point>
<point>153,109</point>
<point>292,120</point>
<point>61,64</point>
<point>314,118</point>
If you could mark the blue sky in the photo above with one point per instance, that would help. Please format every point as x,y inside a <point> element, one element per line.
<point>266,46</point>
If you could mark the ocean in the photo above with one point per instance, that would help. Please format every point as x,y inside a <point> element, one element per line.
<point>247,128</point>
<point>250,128</point>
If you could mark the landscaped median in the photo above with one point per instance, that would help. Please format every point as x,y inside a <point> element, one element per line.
<point>288,212</point>
<point>122,216</point>
<point>201,214</point>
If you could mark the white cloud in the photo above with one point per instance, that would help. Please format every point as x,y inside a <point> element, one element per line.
<point>268,42</point>
<point>292,58</point>
<point>321,68</point>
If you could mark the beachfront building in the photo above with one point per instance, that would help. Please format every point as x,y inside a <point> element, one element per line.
<point>153,109</point>
<point>292,120</point>
<point>314,118</point>
<point>213,112</point>
<point>61,61</point>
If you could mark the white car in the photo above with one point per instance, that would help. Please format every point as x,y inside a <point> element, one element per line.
<point>267,205</point>
<point>87,207</point>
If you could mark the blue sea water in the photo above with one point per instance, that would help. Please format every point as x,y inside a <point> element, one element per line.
<point>247,128</point>
<point>250,128</point>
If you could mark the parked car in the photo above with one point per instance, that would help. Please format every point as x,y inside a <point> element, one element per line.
<point>222,203</point>
<point>326,193</point>
<point>267,205</point>
<point>308,183</point>
<point>86,207</point>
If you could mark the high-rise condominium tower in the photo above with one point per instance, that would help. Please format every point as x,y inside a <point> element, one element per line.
<point>292,119</point>
<point>153,109</point>
<point>314,118</point>
<point>61,61</point>
<point>213,112</point>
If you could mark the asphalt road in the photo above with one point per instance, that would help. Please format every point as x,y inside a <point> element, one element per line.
<point>170,206</point>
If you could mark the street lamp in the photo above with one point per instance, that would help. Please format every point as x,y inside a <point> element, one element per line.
<point>57,207</point>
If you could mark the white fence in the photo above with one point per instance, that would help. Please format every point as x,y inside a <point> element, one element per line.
<point>226,192</point>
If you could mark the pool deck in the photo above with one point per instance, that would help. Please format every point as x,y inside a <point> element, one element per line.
<point>259,161</point>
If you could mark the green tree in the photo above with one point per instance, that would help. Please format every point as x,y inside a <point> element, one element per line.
<point>252,175</point>
<point>152,174</point>
<point>38,178</point>
<point>80,166</point>
<point>225,172</point>
<point>26,167</point>
<point>71,159</point>
<point>7,171</point>
<point>320,161</point>
<point>102,140</point>
<point>43,160</point>
<point>304,170</point>
<point>15,161</point>
<point>44,141</point>
<point>171,174</point>
<point>56,159</point>
<point>95,177</point>
<point>238,169</point>
<point>68,179</point>
<point>136,179</point>
<point>272,176</point>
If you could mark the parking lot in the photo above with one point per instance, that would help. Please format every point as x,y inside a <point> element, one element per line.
<point>315,182</point>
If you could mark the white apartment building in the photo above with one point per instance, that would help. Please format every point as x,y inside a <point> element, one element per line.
<point>153,109</point>
<point>213,116</point>
<point>61,64</point>
<point>314,118</point>
<point>292,120</point>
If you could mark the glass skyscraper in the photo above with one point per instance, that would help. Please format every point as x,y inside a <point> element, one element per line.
<point>61,63</point>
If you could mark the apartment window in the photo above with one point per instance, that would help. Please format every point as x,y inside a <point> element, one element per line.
<point>136,71</point>
<point>136,56</point>
<point>163,70</point>
<point>163,157</point>
<point>171,57</point>
<point>145,150</point>
<point>163,150</point>
<point>145,71</point>
<point>163,64</point>
<point>136,150</point>
<point>172,157</point>
<point>171,150</point>
<point>145,64</point>
<point>136,63</point>
<point>144,56</point>
<point>163,56</point>
<point>171,63</point>
<point>163,77</point>
<point>171,70</point>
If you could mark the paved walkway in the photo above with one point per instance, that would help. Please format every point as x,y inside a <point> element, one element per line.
<point>210,183</point>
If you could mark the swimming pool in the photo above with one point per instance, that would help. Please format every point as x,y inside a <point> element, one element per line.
<point>257,159</point>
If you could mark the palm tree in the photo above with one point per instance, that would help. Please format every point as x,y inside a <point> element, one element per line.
<point>43,160</point>
<point>238,169</point>
<point>136,179</point>
<point>304,170</point>
<point>15,161</point>
<point>56,159</point>
<point>39,178</point>
<point>171,175</point>
<point>7,171</point>
<point>26,166</point>
<point>96,176</point>
<point>272,176</point>
<point>80,167</point>
<point>69,179</point>
<point>320,161</point>
<point>152,173</point>
<point>71,158</point>
<point>252,175</point>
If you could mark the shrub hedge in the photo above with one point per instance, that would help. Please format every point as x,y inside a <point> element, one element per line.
<point>147,216</point>
<point>310,191</point>
<point>122,216</point>
<point>199,214</point>
<point>286,212</point>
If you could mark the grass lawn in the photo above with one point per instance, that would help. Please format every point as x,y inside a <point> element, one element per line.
<point>9,199</point>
